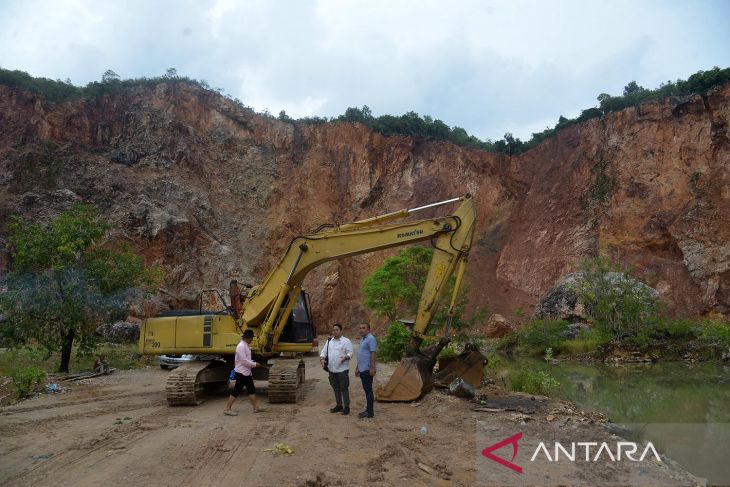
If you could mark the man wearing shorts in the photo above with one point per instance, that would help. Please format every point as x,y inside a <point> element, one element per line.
<point>243,375</point>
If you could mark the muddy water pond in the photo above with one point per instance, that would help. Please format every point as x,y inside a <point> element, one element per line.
<point>683,409</point>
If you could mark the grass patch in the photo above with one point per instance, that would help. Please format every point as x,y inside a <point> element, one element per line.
<point>121,357</point>
<point>534,382</point>
<point>587,341</point>
<point>539,335</point>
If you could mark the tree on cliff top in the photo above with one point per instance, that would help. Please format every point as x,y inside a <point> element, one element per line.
<point>64,282</point>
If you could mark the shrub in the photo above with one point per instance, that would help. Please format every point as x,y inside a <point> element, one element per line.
<point>538,335</point>
<point>393,345</point>
<point>494,361</point>
<point>26,380</point>
<point>534,382</point>
<point>507,342</point>
<point>676,328</point>
<point>663,328</point>
<point>619,305</point>
<point>716,334</point>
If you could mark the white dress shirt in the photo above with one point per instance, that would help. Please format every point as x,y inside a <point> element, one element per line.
<point>337,349</point>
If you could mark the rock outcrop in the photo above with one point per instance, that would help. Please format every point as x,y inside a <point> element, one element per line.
<point>212,191</point>
<point>119,332</point>
<point>562,300</point>
<point>498,326</point>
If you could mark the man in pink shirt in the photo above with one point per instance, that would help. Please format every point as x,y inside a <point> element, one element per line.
<point>244,364</point>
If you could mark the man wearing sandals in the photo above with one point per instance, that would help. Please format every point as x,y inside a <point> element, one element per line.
<point>243,375</point>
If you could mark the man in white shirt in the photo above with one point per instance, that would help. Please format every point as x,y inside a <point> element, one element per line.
<point>335,358</point>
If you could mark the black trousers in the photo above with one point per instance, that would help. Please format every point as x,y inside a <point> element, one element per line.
<point>340,382</point>
<point>367,385</point>
<point>241,382</point>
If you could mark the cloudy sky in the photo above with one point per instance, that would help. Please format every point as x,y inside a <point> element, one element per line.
<point>488,66</point>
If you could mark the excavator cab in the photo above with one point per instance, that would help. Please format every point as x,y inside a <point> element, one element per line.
<point>300,327</point>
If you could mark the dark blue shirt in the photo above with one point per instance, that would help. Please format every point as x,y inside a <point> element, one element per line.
<point>367,345</point>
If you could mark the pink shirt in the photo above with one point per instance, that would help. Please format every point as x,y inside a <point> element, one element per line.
<point>243,359</point>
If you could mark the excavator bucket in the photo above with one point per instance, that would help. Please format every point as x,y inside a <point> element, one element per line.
<point>411,380</point>
<point>468,365</point>
<point>414,376</point>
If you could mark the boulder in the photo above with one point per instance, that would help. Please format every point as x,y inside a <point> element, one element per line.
<point>498,326</point>
<point>119,332</point>
<point>562,301</point>
<point>574,330</point>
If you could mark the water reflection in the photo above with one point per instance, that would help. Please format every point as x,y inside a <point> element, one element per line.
<point>657,393</point>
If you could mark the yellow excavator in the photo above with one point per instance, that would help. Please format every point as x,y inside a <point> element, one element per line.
<point>278,311</point>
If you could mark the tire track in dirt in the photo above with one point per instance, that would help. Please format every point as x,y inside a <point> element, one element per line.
<point>24,427</point>
<point>87,453</point>
<point>12,410</point>
<point>211,462</point>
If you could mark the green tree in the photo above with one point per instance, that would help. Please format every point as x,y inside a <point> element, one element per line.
<point>632,88</point>
<point>395,287</point>
<point>284,117</point>
<point>394,290</point>
<point>110,76</point>
<point>64,282</point>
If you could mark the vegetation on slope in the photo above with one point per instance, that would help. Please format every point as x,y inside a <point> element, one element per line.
<point>410,124</point>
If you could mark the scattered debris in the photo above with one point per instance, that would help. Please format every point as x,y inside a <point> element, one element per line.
<point>460,388</point>
<point>520,404</point>
<point>281,449</point>
<point>425,468</point>
<point>54,389</point>
<point>520,418</point>
<point>88,375</point>
<point>489,410</point>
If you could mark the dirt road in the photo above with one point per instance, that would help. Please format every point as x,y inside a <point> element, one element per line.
<point>118,429</point>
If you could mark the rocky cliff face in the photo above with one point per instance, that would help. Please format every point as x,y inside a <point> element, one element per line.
<point>212,191</point>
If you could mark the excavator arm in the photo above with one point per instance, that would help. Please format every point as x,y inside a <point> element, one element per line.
<point>268,305</point>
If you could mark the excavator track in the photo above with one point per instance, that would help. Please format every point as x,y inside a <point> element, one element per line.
<point>187,384</point>
<point>285,380</point>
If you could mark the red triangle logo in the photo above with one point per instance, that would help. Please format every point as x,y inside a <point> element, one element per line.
<point>487,452</point>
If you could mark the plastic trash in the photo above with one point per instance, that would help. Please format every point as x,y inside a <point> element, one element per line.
<point>51,388</point>
<point>462,389</point>
<point>281,449</point>
<point>424,430</point>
